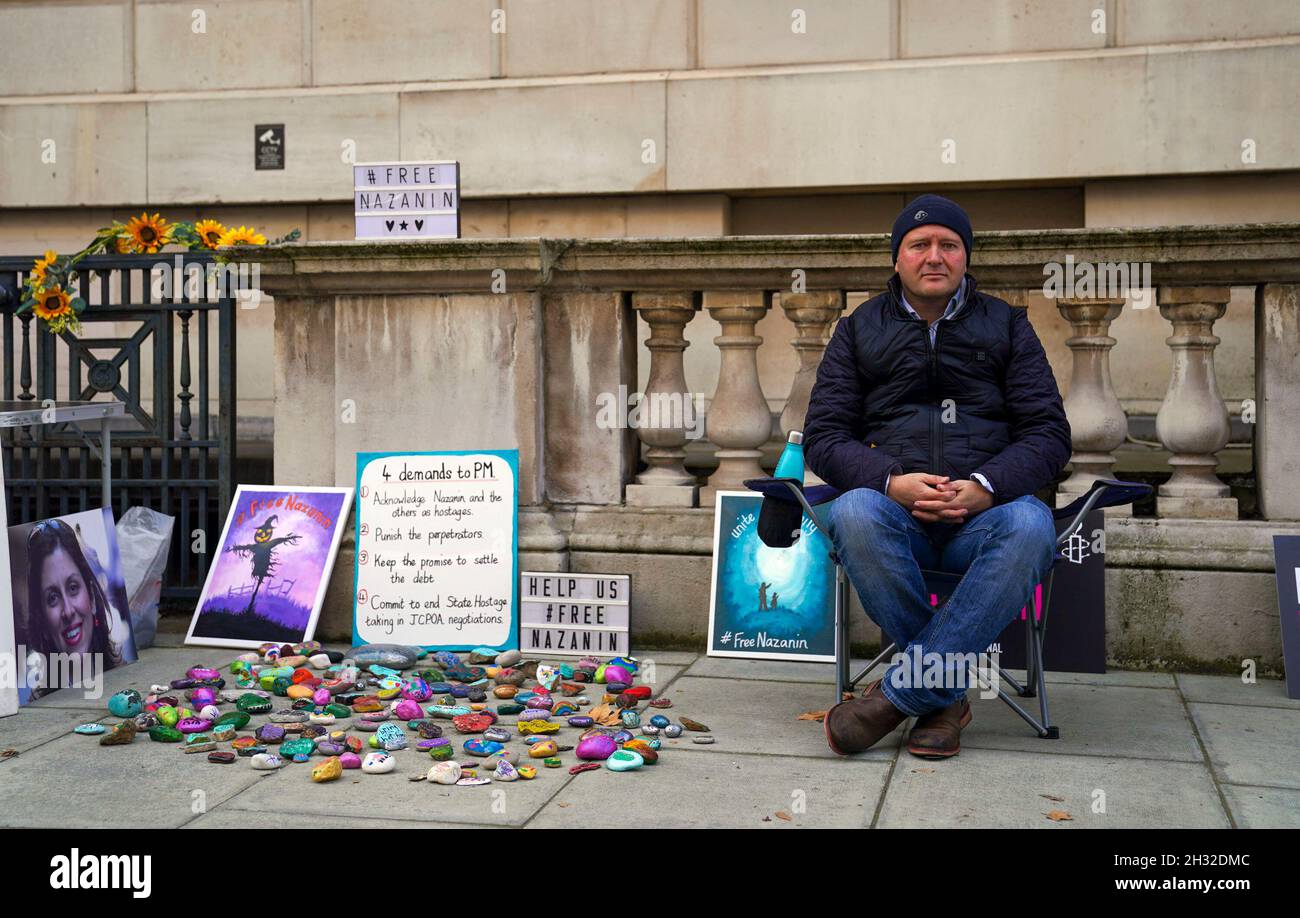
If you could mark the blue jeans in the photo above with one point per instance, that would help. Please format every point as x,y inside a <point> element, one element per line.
<point>1003,552</point>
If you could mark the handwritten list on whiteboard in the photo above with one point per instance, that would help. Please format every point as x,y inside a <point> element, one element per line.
<point>436,562</point>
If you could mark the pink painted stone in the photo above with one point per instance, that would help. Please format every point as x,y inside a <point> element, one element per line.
<point>596,748</point>
<point>350,760</point>
<point>321,696</point>
<point>618,674</point>
<point>406,709</point>
<point>193,724</point>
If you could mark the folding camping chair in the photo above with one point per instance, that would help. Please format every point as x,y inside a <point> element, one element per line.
<point>779,527</point>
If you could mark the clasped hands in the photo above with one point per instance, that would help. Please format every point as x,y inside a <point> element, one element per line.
<point>936,499</point>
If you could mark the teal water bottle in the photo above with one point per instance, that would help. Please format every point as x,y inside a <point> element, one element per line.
<point>790,465</point>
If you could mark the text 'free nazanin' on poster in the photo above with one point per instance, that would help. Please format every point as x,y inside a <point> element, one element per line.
<point>437,539</point>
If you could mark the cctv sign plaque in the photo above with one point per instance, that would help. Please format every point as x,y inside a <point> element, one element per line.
<point>407,200</point>
<point>268,146</point>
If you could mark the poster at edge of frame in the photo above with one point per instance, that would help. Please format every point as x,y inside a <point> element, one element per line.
<point>747,617</point>
<point>8,636</point>
<point>271,568</point>
<point>86,627</point>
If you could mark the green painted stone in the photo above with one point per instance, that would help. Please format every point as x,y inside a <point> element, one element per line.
<point>280,686</point>
<point>297,747</point>
<point>443,753</point>
<point>509,708</point>
<point>237,719</point>
<point>165,734</point>
<point>433,675</point>
<point>624,760</point>
<point>253,704</point>
<point>266,682</point>
<point>600,673</point>
<point>338,710</point>
<point>167,715</point>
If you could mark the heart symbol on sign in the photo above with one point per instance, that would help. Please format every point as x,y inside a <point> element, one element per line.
<point>419,224</point>
<point>389,224</point>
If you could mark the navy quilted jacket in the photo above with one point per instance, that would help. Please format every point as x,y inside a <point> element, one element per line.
<point>983,399</point>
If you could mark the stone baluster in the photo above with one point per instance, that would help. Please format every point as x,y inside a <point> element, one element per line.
<point>666,483</point>
<point>1192,422</point>
<point>812,315</point>
<point>739,421</point>
<point>1097,422</point>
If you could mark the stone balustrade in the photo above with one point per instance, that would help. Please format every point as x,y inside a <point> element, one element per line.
<point>523,342</point>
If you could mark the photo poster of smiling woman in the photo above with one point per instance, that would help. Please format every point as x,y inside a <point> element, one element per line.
<point>71,618</point>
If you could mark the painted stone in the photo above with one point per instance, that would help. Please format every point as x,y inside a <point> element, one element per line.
<point>407,709</point>
<point>350,760</point>
<point>165,734</point>
<point>473,781</point>
<point>168,715</point>
<point>552,762</point>
<point>448,711</point>
<point>471,723</point>
<point>672,731</point>
<point>253,704</point>
<point>544,749</point>
<point>482,748</point>
<point>204,745</point>
<point>378,763</point>
<point>90,729</point>
<point>661,703</point>
<point>287,717</point>
<point>496,735</point>
<point>127,703</point>
<point>320,718</point>
<point>445,773</point>
<point>630,718</point>
<point>120,735</point>
<point>443,753</point>
<point>526,727</point>
<point>297,747</point>
<point>580,720</point>
<point>702,740</point>
<point>244,742</point>
<point>329,770</point>
<point>400,656</point>
<point>221,757</point>
<point>596,748</point>
<point>693,725</point>
<point>505,772</point>
<point>505,710</point>
<point>428,730</point>
<point>330,748</point>
<point>338,710</point>
<point>508,657</point>
<point>267,761</point>
<point>624,760</point>
<point>269,734</point>
<point>637,692</point>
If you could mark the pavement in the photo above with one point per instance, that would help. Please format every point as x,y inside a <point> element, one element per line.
<point>1137,749</point>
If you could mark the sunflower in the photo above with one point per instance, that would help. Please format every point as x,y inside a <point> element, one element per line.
<point>121,245</point>
<point>52,303</point>
<point>242,235</point>
<point>209,233</point>
<point>37,274</point>
<point>148,234</point>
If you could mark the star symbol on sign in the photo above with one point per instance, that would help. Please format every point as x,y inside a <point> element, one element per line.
<point>402,225</point>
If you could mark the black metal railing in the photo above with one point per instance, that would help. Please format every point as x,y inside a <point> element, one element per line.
<point>147,340</point>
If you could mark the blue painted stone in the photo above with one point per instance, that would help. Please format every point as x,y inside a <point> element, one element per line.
<point>400,655</point>
<point>659,721</point>
<point>622,736</point>
<point>580,720</point>
<point>482,748</point>
<point>126,703</point>
<point>383,670</point>
<point>445,659</point>
<point>624,760</point>
<point>389,733</point>
<point>440,688</point>
<point>89,729</point>
<point>459,691</point>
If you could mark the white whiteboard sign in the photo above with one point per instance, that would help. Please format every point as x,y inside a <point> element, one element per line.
<point>437,540</point>
<point>574,614</point>
<point>406,200</point>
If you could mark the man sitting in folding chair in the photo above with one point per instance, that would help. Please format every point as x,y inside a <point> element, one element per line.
<point>936,412</point>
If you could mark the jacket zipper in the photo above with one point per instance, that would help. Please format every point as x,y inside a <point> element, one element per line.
<point>936,428</point>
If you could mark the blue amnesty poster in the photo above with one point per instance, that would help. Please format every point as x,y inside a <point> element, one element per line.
<point>769,603</point>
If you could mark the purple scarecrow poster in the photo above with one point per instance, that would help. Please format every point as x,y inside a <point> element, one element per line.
<point>268,576</point>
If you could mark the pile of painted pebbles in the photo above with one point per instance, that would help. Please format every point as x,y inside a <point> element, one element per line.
<point>298,703</point>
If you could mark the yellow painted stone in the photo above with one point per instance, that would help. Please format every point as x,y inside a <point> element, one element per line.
<point>527,727</point>
<point>542,750</point>
<point>328,770</point>
<point>299,691</point>
<point>527,772</point>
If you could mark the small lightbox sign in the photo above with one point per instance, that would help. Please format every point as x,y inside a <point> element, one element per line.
<point>406,200</point>
<point>574,614</point>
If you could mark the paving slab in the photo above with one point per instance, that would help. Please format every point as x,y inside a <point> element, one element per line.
<point>156,665</point>
<point>1112,720</point>
<point>991,788</point>
<point>392,796</point>
<point>760,717</point>
<point>1269,693</point>
<point>1250,745</point>
<point>722,791</point>
<point>1130,677</point>
<point>772,670</point>
<point>223,818</point>
<point>1263,807</point>
<point>74,782</point>
<point>32,727</point>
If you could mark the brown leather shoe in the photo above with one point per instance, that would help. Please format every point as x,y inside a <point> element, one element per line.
<point>937,734</point>
<point>858,724</point>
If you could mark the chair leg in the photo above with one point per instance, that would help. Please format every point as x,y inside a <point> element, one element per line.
<point>1039,634</point>
<point>1030,688</point>
<point>842,655</point>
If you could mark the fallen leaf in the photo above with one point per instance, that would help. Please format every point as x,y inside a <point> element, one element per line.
<point>782,814</point>
<point>1059,816</point>
<point>563,805</point>
<point>922,771</point>
<point>1052,797</point>
<point>818,716</point>
<point>8,753</point>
